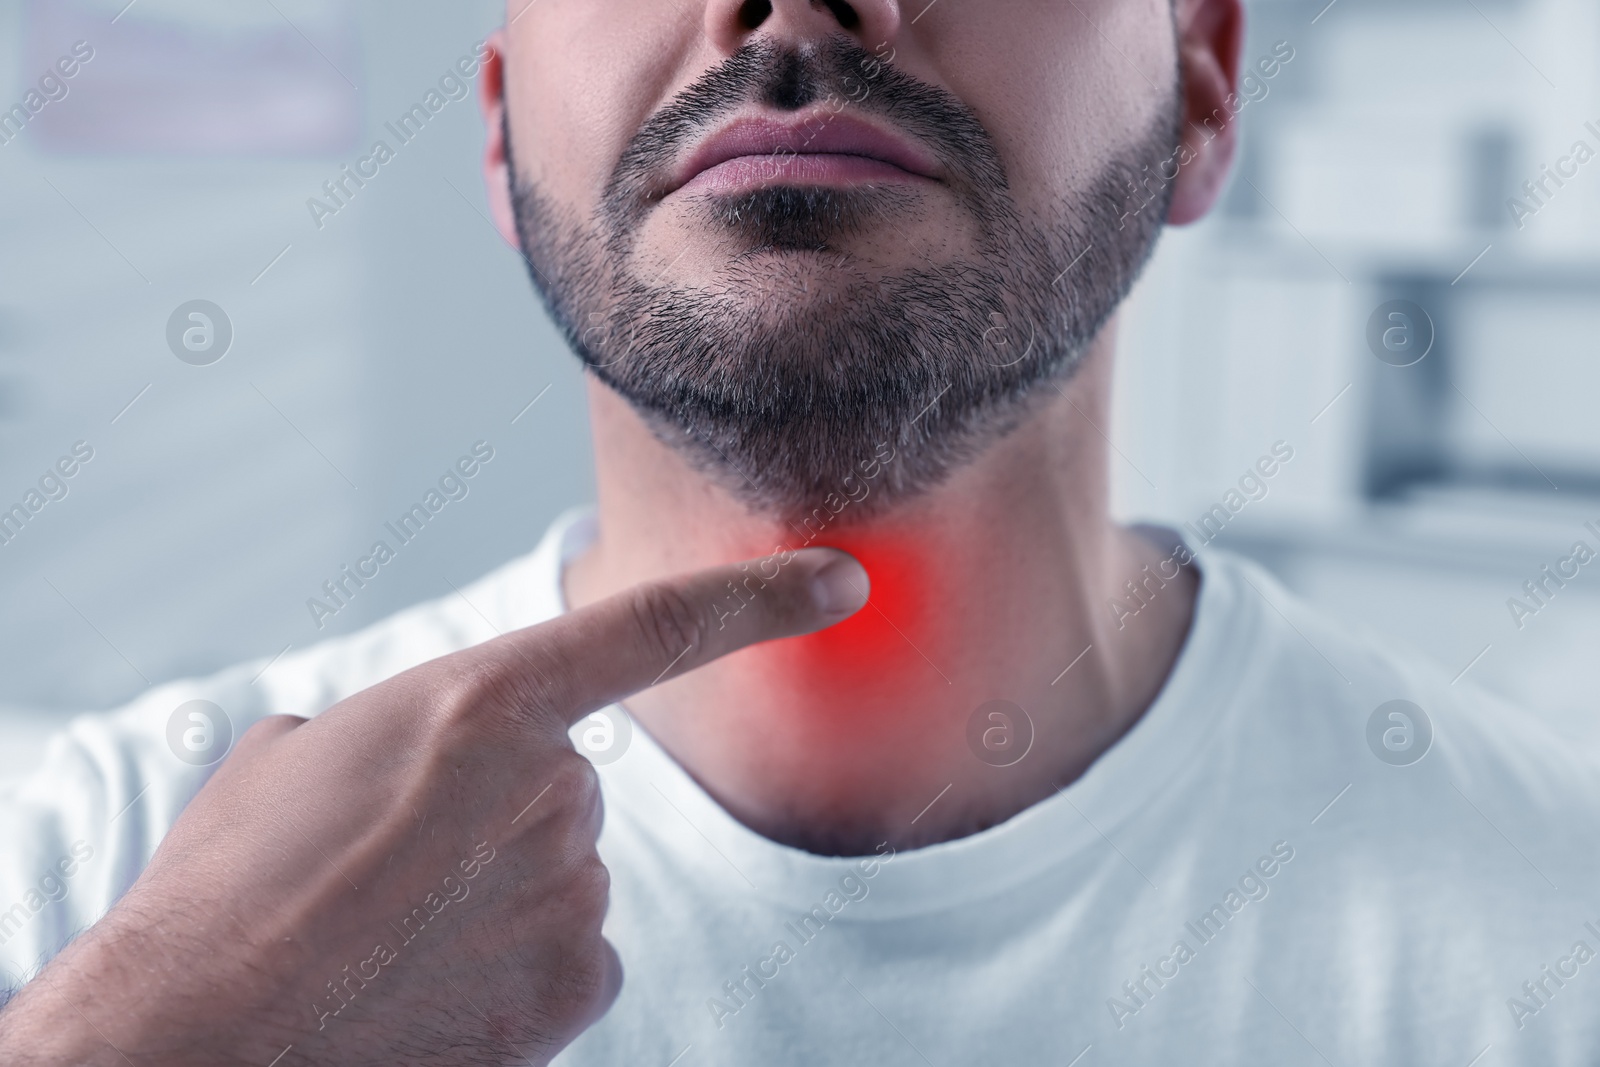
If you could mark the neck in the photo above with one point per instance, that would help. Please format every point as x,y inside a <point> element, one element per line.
<point>986,588</point>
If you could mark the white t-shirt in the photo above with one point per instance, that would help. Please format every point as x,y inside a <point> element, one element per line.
<point>1242,878</point>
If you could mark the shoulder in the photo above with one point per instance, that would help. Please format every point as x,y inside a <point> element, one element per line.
<point>1325,697</point>
<point>1441,835</point>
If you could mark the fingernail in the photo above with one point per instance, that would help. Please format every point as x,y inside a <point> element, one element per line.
<point>840,587</point>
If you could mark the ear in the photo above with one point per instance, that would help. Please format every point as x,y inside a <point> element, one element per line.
<point>496,164</point>
<point>1210,35</point>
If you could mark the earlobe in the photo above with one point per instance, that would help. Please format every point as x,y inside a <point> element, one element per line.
<point>496,157</point>
<point>1210,33</point>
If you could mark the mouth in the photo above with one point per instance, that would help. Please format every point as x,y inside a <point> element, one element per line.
<point>816,149</point>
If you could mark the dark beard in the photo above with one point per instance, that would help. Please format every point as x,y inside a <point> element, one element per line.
<point>788,399</point>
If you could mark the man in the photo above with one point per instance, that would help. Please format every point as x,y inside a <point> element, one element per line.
<point>845,274</point>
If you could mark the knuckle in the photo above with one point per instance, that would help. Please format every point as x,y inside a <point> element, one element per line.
<point>263,732</point>
<point>669,621</point>
<point>454,693</point>
<point>468,691</point>
<point>583,895</point>
<point>570,978</point>
<point>583,978</point>
<point>271,726</point>
<point>452,684</point>
<point>575,784</point>
<point>589,886</point>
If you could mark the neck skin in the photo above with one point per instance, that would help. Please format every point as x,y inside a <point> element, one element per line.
<point>985,588</point>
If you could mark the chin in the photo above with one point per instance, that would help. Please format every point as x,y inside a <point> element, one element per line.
<point>781,298</point>
<point>802,219</point>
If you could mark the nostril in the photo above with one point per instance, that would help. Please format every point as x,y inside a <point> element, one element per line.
<point>844,13</point>
<point>752,13</point>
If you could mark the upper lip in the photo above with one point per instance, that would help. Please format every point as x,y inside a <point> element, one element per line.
<point>824,133</point>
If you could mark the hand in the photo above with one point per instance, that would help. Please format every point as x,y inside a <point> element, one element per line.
<point>411,877</point>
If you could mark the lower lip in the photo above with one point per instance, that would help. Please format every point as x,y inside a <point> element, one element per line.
<point>745,173</point>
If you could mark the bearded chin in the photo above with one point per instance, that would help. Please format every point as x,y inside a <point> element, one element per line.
<point>783,400</point>
<point>797,377</point>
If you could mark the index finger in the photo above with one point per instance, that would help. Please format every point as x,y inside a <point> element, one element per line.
<point>602,653</point>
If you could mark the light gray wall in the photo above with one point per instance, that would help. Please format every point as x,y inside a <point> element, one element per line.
<point>369,357</point>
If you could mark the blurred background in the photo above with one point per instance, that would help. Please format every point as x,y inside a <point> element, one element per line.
<point>1398,162</point>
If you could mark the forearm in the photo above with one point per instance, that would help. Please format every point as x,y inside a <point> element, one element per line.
<point>43,1025</point>
<point>109,999</point>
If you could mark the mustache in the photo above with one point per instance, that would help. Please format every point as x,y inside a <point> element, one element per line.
<point>836,73</point>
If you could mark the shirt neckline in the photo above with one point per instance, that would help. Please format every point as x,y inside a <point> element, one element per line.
<point>1156,753</point>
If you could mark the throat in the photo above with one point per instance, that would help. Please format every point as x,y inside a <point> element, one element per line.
<point>961,694</point>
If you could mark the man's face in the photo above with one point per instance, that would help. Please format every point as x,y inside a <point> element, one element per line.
<point>795,234</point>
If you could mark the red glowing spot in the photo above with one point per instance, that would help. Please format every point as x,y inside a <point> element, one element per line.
<point>883,636</point>
<point>883,653</point>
